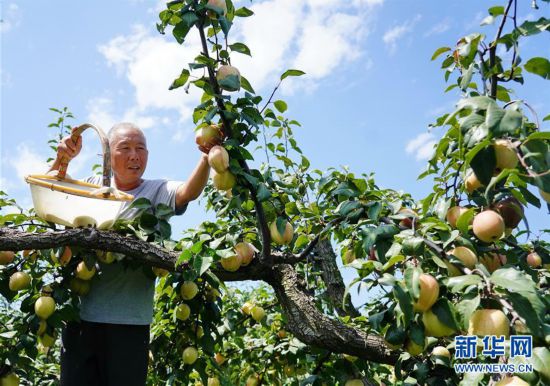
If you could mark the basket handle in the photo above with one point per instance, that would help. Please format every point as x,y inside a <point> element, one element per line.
<point>75,133</point>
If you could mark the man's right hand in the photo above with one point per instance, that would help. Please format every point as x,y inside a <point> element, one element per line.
<point>68,148</point>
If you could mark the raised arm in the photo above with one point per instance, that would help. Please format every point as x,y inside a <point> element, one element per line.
<point>195,184</point>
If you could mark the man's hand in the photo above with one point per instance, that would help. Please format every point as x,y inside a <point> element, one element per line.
<point>206,149</point>
<point>68,148</point>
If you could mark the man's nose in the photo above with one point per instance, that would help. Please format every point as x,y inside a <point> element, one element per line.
<point>133,154</point>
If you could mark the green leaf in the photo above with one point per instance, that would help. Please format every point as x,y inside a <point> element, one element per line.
<point>534,27</point>
<point>164,211</point>
<point>487,21</point>
<point>510,123</point>
<point>392,261</point>
<point>288,73</point>
<point>541,363</point>
<point>471,379</point>
<point>291,209</point>
<point>470,121</point>
<point>246,85</point>
<point>439,51</point>
<point>189,18</point>
<point>241,48</point>
<point>466,308</point>
<point>512,280</point>
<point>148,222</point>
<point>412,281</point>
<point>493,116</point>
<point>9,334</point>
<point>405,303</point>
<point>263,193</point>
<point>445,312</point>
<point>463,222</point>
<point>184,256</point>
<point>348,207</point>
<point>484,164</point>
<point>165,229</point>
<point>140,203</point>
<point>243,12</point>
<point>503,94</point>
<point>417,334</point>
<point>280,105</point>
<point>413,246</point>
<point>475,103</point>
<point>524,308</point>
<point>395,335</point>
<point>180,31</point>
<point>281,225</point>
<point>202,263</point>
<point>457,283</point>
<point>545,135</point>
<point>467,77</point>
<point>539,66</point>
<point>224,24</point>
<point>301,241</point>
<point>496,11</point>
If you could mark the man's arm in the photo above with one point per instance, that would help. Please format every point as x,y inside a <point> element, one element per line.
<point>195,184</point>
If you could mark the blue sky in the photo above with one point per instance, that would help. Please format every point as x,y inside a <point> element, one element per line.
<point>368,97</point>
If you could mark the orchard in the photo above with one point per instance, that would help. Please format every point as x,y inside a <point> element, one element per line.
<point>460,262</point>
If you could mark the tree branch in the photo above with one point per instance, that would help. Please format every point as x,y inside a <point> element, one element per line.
<point>313,327</point>
<point>333,280</point>
<point>493,50</point>
<point>138,250</point>
<point>260,215</point>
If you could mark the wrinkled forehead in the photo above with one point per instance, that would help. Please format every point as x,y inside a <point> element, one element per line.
<point>128,135</point>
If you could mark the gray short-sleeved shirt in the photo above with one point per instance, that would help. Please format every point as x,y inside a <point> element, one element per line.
<point>122,295</point>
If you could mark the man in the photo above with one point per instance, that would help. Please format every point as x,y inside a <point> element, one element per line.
<point>111,344</point>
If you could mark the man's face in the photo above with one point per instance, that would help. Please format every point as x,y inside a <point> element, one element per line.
<point>128,157</point>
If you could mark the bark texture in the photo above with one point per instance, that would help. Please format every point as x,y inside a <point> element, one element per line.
<point>305,320</point>
<point>315,328</point>
<point>326,258</point>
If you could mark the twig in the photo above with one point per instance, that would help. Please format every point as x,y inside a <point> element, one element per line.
<point>314,242</point>
<point>271,96</point>
<point>493,50</point>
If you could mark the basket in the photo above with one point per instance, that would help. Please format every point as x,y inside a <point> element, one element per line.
<point>73,203</point>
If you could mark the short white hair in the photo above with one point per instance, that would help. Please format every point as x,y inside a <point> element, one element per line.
<point>121,127</point>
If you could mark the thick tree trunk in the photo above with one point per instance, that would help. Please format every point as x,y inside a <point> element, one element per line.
<point>304,319</point>
<point>325,256</point>
<point>313,327</point>
<point>11,239</point>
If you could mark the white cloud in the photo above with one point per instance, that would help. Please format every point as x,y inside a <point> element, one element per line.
<point>100,112</point>
<point>394,35</point>
<point>26,161</point>
<point>439,28</point>
<point>6,185</point>
<point>5,79</point>
<point>11,18</point>
<point>181,135</point>
<point>150,64</point>
<point>316,36</point>
<point>421,146</point>
<point>475,21</point>
<point>324,44</point>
